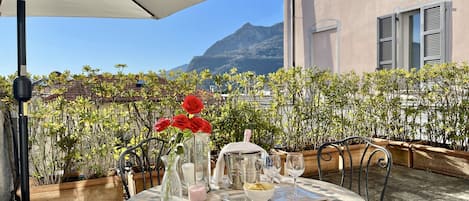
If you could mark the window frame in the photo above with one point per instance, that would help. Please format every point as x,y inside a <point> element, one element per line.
<point>397,44</point>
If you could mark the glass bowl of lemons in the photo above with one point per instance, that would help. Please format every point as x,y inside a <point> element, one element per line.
<point>259,191</point>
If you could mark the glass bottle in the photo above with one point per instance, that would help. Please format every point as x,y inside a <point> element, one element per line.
<point>171,184</point>
<point>197,157</point>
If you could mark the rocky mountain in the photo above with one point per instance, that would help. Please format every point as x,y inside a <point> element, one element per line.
<point>182,67</point>
<point>250,48</point>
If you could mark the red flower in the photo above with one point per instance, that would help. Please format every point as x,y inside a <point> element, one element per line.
<point>200,124</point>
<point>181,121</point>
<point>192,104</point>
<point>196,124</point>
<point>206,127</point>
<point>161,124</point>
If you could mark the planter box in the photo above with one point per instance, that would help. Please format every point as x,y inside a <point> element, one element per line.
<point>436,159</point>
<point>311,161</point>
<point>335,164</point>
<point>103,189</point>
<point>401,153</point>
<point>357,152</point>
<point>311,164</point>
<point>441,160</point>
<point>136,181</point>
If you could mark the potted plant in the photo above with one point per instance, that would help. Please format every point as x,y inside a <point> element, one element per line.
<point>72,141</point>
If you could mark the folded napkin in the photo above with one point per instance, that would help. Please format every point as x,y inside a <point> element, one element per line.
<point>242,147</point>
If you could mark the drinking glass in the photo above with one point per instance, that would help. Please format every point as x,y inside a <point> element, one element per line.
<point>268,167</point>
<point>295,166</point>
<point>272,165</point>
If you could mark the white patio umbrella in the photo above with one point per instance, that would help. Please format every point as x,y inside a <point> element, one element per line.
<point>98,8</point>
<point>151,9</point>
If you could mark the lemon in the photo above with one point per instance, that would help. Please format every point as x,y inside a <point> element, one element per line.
<point>258,186</point>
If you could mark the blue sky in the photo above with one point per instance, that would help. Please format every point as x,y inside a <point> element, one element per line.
<point>58,44</point>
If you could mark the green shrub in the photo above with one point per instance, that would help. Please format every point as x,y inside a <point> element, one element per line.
<point>85,129</point>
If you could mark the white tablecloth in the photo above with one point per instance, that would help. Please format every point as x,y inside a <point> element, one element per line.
<point>309,189</point>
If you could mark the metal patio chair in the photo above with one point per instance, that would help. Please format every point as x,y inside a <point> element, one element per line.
<point>368,157</point>
<point>145,159</point>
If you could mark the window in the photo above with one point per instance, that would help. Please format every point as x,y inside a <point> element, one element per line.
<point>412,38</point>
<point>414,44</point>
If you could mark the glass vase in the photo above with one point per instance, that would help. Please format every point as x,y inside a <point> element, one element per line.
<point>195,164</point>
<point>171,184</point>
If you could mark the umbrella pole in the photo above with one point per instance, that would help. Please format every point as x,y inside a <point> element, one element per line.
<point>22,91</point>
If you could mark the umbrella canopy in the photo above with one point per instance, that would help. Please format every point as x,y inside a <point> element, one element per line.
<point>98,8</point>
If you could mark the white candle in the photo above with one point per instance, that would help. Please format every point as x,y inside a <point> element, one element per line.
<point>188,173</point>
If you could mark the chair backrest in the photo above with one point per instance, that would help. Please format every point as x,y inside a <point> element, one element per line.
<point>369,156</point>
<point>143,158</point>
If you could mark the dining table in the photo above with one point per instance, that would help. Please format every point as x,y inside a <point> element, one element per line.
<point>306,190</point>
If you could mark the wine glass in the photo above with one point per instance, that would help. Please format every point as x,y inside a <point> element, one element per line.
<point>295,166</point>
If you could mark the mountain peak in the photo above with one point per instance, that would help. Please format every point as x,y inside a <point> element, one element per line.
<point>243,38</point>
<point>247,25</point>
<point>255,48</point>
